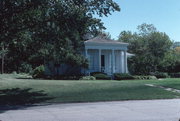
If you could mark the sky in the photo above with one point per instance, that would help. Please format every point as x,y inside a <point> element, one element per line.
<point>163,14</point>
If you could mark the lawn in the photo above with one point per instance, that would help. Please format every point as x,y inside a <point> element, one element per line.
<point>172,83</point>
<point>15,91</point>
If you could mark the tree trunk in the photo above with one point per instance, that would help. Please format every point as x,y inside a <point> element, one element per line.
<point>2,61</point>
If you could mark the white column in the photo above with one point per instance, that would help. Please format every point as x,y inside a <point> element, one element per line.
<point>99,60</point>
<point>121,62</point>
<point>86,53</point>
<point>113,61</point>
<point>125,61</point>
<point>110,62</point>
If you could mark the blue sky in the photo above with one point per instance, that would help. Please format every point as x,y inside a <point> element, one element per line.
<point>164,14</point>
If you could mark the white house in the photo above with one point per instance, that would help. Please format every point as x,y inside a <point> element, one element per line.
<point>105,55</point>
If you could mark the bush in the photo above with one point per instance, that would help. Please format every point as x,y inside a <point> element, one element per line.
<point>160,75</point>
<point>145,77</point>
<point>64,77</point>
<point>87,78</point>
<point>25,68</point>
<point>39,72</point>
<point>100,76</point>
<point>175,75</point>
<point>119,76</point>
<point>93,73</point>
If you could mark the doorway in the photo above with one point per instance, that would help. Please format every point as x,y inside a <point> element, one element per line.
<point>102,63</point>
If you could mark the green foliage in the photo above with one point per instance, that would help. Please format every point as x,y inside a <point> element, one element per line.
<point>176,66</point>
<point>160,74</point>
<point>39,72</point>
<point>87,78</point>
<point>35,31</point>
<point>25,68</point>
<point>76,60</point>
<point>100,76</point>
<point>67,77</point>
<point>152,50</point>
<point>123,76</point>
<point>145,77</point>
<point>175,75</point>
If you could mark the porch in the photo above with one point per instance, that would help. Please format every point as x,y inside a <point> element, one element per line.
<point>107,60</point>
<point>104,55</point>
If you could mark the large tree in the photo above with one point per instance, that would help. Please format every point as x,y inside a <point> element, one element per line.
<point>152,49</point>
<point>38,30</point>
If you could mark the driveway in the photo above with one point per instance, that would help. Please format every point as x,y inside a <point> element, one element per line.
<point>147,110</point>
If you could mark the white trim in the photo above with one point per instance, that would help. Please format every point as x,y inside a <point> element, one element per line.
<point>107,47</point>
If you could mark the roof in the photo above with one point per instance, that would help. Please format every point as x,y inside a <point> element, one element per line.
<point>103,40</point>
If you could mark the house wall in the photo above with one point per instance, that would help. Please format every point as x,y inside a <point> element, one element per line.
<point>93,57</point>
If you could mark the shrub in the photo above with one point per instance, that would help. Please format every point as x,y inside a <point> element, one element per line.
<point>25,68</point>
<point>119,76</point>
<point>87,78</point>
<point>14,72</point>
<point>160,75</point>
<point>101,76</point>
<point>38,72</point>
<point>93,73</point>
<point>175,75</point>
<point>65,77</point>
<point>145,77</point>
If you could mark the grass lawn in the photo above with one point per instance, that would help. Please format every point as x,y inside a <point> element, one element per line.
<point>172,83</point>
<point>26,91</point>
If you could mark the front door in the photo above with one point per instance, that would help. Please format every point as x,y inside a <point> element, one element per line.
<point>102,63</point>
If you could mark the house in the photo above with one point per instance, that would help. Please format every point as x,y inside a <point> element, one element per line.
<point>105,55</point>
<point>176,44</point>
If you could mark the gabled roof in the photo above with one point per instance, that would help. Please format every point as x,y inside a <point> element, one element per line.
<point>103,40</point>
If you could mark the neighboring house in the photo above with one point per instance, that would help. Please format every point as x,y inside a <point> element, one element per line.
<point>176,44</point>
<point>104,55</point>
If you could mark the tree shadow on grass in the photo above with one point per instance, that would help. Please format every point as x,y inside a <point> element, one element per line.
<point>21,98</point>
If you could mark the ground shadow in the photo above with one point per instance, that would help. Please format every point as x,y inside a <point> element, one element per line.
<point>19,98</point>
<point>28,78</point>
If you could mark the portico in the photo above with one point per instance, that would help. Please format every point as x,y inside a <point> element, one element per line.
<point>106,55</point>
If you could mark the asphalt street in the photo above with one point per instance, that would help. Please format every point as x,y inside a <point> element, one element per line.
<point>144,110</point>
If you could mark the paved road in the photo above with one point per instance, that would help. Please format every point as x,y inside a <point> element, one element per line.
<point>149,110</point>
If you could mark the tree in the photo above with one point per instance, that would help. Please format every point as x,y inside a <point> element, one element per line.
<point>176,66</point>
<point>126,36</point>
<point>151,48</point>
<point>3,52</point>
<point>104,34</point>
<point>41,30</point>
<point>17,18</point>
<point>146,29</point>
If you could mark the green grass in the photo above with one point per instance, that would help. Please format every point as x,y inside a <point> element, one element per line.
<point>56,91</point>
<point>172,83</point>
